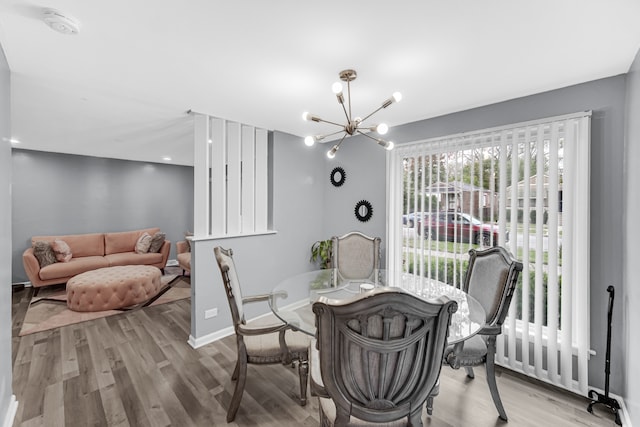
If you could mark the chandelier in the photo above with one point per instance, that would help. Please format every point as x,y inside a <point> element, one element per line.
<point>354,125</point>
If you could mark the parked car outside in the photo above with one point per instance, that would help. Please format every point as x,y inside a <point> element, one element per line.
<point>410,219</point>
<point>460,227</point>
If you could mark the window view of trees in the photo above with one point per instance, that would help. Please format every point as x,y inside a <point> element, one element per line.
<point>484,194</point>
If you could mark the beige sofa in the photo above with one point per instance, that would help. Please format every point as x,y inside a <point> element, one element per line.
<point>90,252</point>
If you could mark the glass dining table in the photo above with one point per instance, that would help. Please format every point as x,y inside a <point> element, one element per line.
<point>291,299</point>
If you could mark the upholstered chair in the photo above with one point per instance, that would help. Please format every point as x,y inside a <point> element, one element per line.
<point>268,342</point>
<point>355,256</point>
<point>491,278</point>
<point>183,254</point>
<point>377,357</point>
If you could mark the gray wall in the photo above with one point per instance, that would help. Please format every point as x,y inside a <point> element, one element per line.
<point>606,98</point>
<point>631,297</point>
<point>66,194</point>
<point>5,239</point>
<point>364,163</point>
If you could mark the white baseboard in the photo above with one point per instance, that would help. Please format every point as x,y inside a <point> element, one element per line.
<point>624,415</point>
<point>212,337</point>
<point>11,412</point>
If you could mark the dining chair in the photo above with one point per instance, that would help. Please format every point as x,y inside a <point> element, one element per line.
<point>355,256</point>
<point>377,357</point>
<point>491,278</point>
<point>264,342</point>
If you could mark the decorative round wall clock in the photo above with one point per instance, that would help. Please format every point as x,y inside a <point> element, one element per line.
<point>364,210</point>
<point>338,176</point>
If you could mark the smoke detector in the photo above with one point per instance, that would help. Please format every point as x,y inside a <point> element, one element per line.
<point>60,22</point>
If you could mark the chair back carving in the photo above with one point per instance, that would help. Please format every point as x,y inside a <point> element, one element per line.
<point>224,257</point>
<point>381,354</point>
<point>355,255</point>
<point>491,278</point>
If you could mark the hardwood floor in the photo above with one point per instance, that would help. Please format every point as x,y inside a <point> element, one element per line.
<point>136,369</point>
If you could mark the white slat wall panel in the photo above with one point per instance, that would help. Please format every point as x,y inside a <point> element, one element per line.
<point>234,184</point>
<point>261,180</point>
<point>218,188</point>
<point>248,179</point>
<point>200,176</point>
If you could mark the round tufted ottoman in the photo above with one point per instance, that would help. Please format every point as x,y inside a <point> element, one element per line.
<point>113,287</point>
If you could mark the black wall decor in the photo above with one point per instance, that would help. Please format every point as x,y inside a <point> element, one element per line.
<point>364,210</point>
<point>338,175</point>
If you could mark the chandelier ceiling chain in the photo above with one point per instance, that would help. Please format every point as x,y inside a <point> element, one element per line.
<point>354,125</point>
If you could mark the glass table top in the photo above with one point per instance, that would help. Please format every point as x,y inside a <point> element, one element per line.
<point>291,299</point>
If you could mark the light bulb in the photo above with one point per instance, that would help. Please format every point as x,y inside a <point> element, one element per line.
<point>382,128</point>
<point>387,145</point>
<point>309,141</point>
<point>336,87</point>
<point>332,153</point>
<point>305,115</point>
<point>397,96</point>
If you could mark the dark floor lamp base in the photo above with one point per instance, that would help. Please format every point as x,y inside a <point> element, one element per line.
<point>596,397</point>
<point>610,403</point>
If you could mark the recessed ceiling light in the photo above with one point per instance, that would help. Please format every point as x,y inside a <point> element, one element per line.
<point>166,158</point>
<point>14,141</point>
<point>60,22</point>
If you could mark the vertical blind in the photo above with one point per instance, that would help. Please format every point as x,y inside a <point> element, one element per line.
<point>231,178</point>
<point>524,187</point>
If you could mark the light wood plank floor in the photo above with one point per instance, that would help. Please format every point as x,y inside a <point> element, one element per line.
<point>136,369</point>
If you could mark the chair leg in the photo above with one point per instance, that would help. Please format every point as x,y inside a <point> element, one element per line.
<point>415,418</point>
<point>491,377</point>
<point>470,373</point>
<point>234,376</point>
<point>241,370</point>
<point>303,372</point>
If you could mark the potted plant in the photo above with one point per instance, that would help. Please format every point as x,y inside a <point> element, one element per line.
<point>321,253</point>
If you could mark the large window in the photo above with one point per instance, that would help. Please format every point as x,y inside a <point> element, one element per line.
<point>505,186</point>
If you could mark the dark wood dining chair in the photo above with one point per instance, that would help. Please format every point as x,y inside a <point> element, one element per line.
<point>262,343</point>
<point>377,358</point>
<point>355,256</point>
<point>491,278</point>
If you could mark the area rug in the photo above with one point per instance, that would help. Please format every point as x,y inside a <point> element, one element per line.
<point>48,310</point>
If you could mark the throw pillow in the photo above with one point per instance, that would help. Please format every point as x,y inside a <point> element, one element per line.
<point>157,240</point>
<point>188,234</point>
<point>143,243</point>
<point>44,253</point>
<point>62,250</point>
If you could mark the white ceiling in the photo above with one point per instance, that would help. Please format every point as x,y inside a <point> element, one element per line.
<point>122,86</point>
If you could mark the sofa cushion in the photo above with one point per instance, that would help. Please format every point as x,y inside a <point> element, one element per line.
<point>81,244</point>
<point>132,258</point>
<point>44,253</point>
<point>61,270</point>
<point>157,240</point>
<point>143,244</point>
<point>62,250</point>
<point>125,241</point>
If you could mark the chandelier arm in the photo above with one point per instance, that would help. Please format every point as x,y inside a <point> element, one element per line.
<point>377,140</point>
<point>349,99</point>
<point>326,135</point>
<point>345,110</point>
<point>371,114</point>
<point>342,139</point>
<point>327,121</point>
